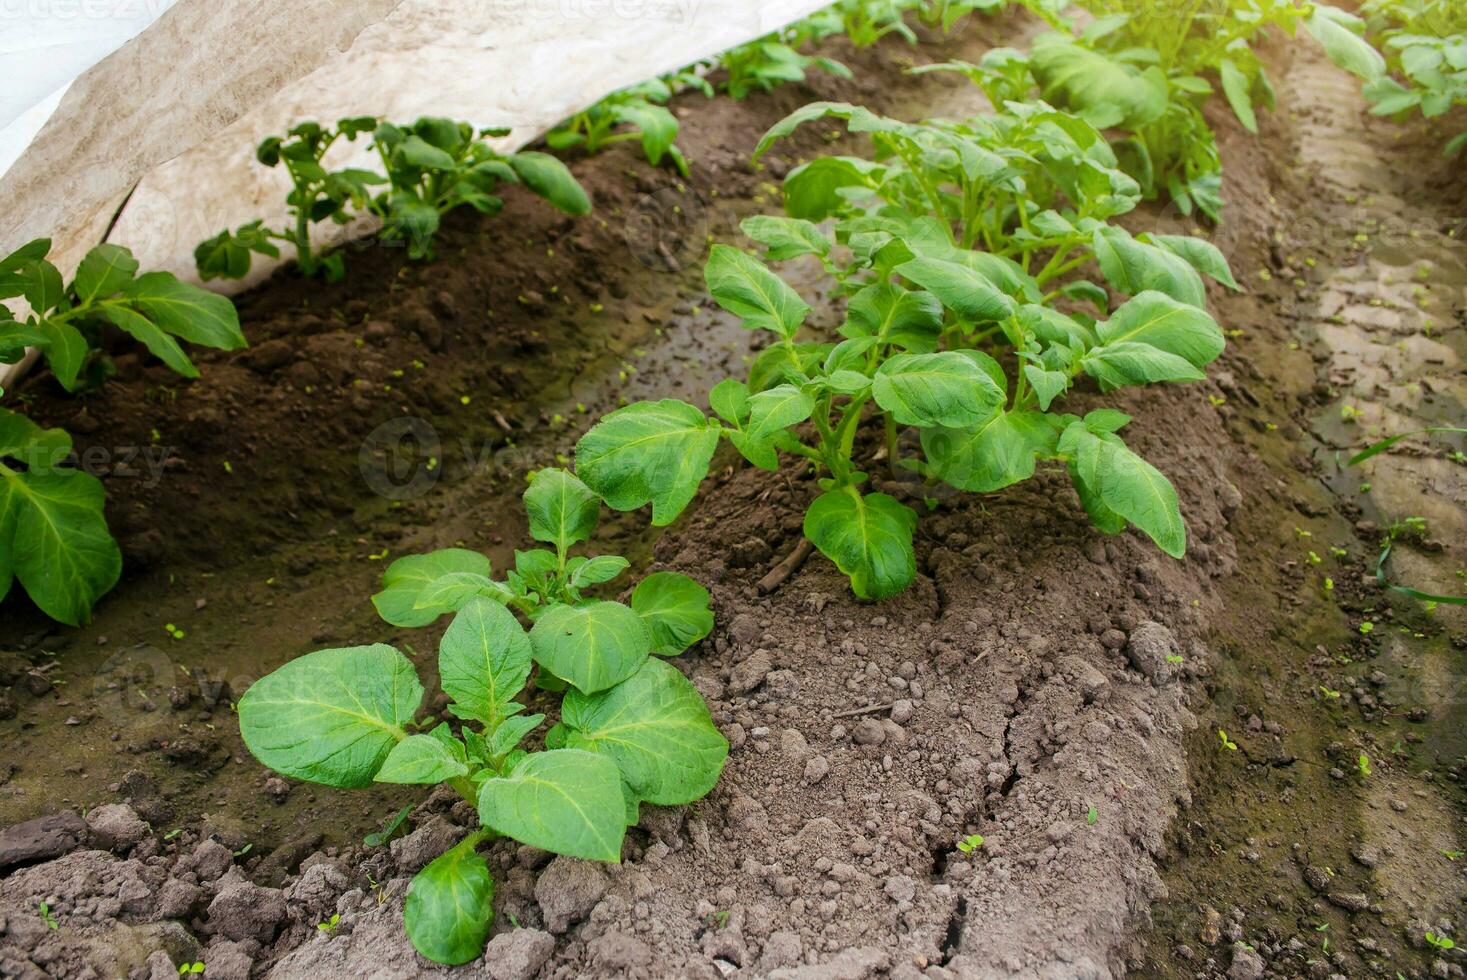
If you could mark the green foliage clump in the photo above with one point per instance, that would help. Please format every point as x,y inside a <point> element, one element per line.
<point>1425,46</point>
<point>956,247</point>
<point>637,112</point>
<point>53,534</point>
<point>1148,68</point>
<point>632,728</point>
<point>429,168</point>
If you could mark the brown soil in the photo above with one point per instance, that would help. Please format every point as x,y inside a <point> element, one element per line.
<point>1021,690</point>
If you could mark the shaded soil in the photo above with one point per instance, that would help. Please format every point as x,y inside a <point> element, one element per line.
<point>1026,689</point>
<point>1296,858</point>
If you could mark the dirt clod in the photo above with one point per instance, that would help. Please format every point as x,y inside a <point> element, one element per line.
<point>568,890</point>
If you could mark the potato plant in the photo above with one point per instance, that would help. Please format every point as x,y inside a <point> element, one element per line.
<point>632,728</point>
<point>429,168</point>
<point>53,535</point>
<point>1425,47</point>
<point>973,348</point>
<point>867,21</point>
<point>66,320</point>
<point>637,112</point>
<point>316,195</point>
<point>765,63</point>
<point>1146,69</point>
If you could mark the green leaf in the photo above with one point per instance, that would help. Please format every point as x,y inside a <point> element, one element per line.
<point>1127,485</point>
<point>148,333</point>
<point>66,350</point>
<point>657,124</point>
<point>868,537</point>
<point>674,609</point>
<point>548,177</point>
<point>785,238</point>
<point>54,540</point>
<point>451,592</point>
<point>1336,32</point>
<point>568,801</point>
<point>965,291</point>
<point>649,452</point>
<point>414,151</point>
<point>657,730</point>
<point>594,571</point>
<point>770,413</point>
<point>909,319</point>
<point>593,645</point>
<point>1053,327</point>
<point>186,311</point>
<point>105,270</point>
<point>332,716</point>
<point>746,287</point>
<point>483,660</point>
<point>814,190</point>
<point>420,759</point>
<point>510,731</point>
<point>562,509</point>
<point>1236,87</point>
<point>1158,320</point>
<point>450,905</point>
<point>1134,267</point>
<point>407,578</point>
<point>991,456</point>
<point>1202,255</point>
<point>42,287</point>
<point>1130,363</point>
<point>786,363</point>
<point>730,399</point>
<point>12,267</point>
<point>948,388</point>
<point>1100,88</point>
<point>1047,385</point>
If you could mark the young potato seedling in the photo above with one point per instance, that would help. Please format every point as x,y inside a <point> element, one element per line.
<point>430,167</point>
<point>1034,187</point>
<point>316,195</point>
<point>637,112</point>
<point>765,63</point>
<point>632,728</point>
<point>436,165</point>
<point>66,319</point>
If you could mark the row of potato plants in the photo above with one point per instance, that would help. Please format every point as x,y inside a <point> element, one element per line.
<point>957,246</point>
<point>639,112</point>
<point>429,168</point>
<point>1425,47</point>
<point>54,538</point>
<point>1146,70</point>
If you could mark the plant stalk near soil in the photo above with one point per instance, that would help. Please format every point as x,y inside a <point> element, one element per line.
<point>958,247</point>
<point>632,728</point>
